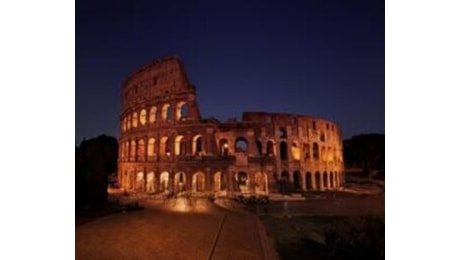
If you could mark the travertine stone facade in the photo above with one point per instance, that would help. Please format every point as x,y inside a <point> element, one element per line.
<point>166,145</point>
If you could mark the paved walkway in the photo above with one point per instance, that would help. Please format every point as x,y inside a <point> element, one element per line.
<point>158,234</point>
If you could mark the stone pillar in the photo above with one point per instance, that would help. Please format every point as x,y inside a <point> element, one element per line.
<point>321,181</point>
<point>313,181</point>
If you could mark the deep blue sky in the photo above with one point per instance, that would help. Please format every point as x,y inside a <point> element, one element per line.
<point>321,58</point>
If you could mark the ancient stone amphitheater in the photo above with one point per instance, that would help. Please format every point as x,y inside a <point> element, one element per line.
<point>165,144</point>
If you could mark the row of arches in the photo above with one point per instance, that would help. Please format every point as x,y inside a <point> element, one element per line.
<point>297,181</point>
<point>197,182</point>
<point>151,182</point>
<point>165,112</point>
<point>147,148</point>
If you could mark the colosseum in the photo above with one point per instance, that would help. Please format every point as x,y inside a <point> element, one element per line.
<point>165,144</point>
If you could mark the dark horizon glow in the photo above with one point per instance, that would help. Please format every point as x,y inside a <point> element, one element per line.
<point>320,58</point>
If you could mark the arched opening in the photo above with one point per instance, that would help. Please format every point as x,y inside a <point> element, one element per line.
<point>143,117</point>
<point>318,180</point>
<point>150,187</point>
<point>283,151</point>
<point>259,147</point>
<point>284,182</point>
<point>315,151</point>
<point>322,137</point>
<point>132,150</point>
<point>165,147</point>
<point>241,144</point>
<point>270,148</point>
<point>179,182</point>
<point>166,113</point>
<point>181,110</point>
<point>295,151</point>
<point>297,181</point>
<point>242,182</point>
<point>306,151</point>
<point>164,181</point>
<point>223,144</point>
<point>325,180</point>
<point>128,122</point>
<point>309,180</point>
<point>140,181</point>
<point>197,145</point>
<point>153,115</point>
<point>150,149</point>
<point>261,181</point>
<point>198,182</point>
<point>140,150</point>
<point>179,145</point>
<point>135,119</point>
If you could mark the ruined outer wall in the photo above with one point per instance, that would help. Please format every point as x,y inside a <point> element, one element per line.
<point>165,144</point>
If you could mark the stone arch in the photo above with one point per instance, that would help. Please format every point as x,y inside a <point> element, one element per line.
<point>143,117</point>
<point>140,181</point>
<point>197,145</point>
<point>241,144</point>
<point>181,110</point>
<point>315,151</point>
<point>309,180</point>
<point>150,187</point>
<point>284,182</point>
<point>180,181</point>
<point>297,181</point>
<point>242,182</point>
<point>132,150</point>
<point>151,149</point>
<point>180,145</point>
<point>259,147</point>
<point>153,114</point>
<point>198,182</point>
<point>283,150</point>
<point>164,181</point>
<point>165,147</point>
<point>166,113</point>
<point>318,181</point>
<point>128,122</point>
<point>270,148</point>
<point>261,181</point>
<point>295,151</point>
<point>140,150</point>
<point>135,119</point>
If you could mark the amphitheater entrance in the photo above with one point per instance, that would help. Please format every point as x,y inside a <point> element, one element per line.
<point>309,181</point>
<point>164,181</point>
<point>318,181</point>
<point>150,182</point>
<point>242,182</point>
<point>261,181</point>
<point>179,182</point>
<point>198,182</point>
<point>297,181</point>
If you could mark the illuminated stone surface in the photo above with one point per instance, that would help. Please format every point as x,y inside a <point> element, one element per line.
<point>264,153</point>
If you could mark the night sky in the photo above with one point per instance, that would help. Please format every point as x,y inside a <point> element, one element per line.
<point>321,58</point>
